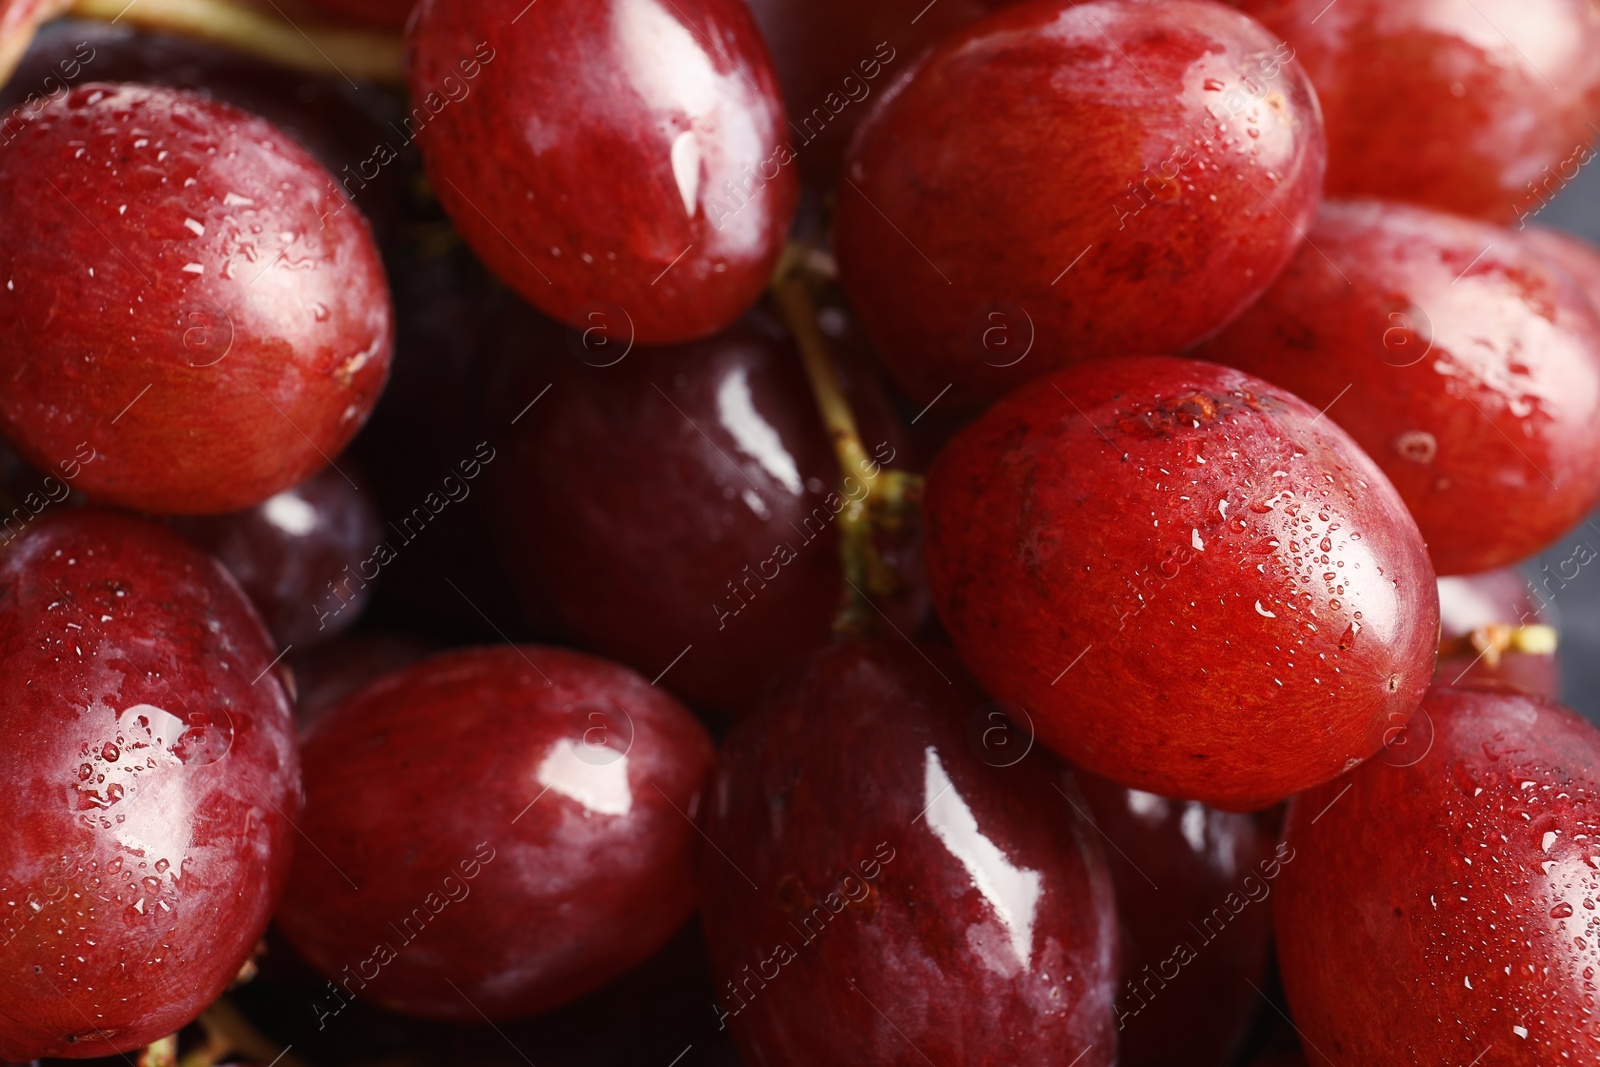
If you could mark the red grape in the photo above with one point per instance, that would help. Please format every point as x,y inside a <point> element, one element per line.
<point>1060,181</point>
<point>1194,585</point>
<point>617,162</point>
<point>1471,107</point>
<point>1496,598</point>
<point>736,568</point>
<point>891,886</point>
<point>1454,877</point>
<point>183,293</point>
<point>303,555</point>
<point>1191,885</point>
<point>1472,370</point>
<point>146,821</point>
<point>834,56</point>
<point>513,822</point>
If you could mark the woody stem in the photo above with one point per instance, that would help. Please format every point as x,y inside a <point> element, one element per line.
<point>864,569</point>
<point>228,1033</point>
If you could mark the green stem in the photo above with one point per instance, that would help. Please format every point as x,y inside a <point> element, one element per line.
<point>881,499</point>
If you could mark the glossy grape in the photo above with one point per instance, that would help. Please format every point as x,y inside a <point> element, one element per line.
<point>1062,181</point>
<point>1454,874</point>
<point>1484,108</point>
<point>301,555</point>
<point>891,886</point>
<point>619,163</point>
<point>516,822</point>
<point>679,508</point>
<point>1469,368</point>
<point>1194,585</point>
<point>147,818</point>
<point>184,294</point>
<point>1192,886</point>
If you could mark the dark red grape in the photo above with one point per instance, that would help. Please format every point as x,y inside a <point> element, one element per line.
<point>182,293</point>
<point>1503,598</point>
<point>679,509</point>
<point>1466,366</point>
<point>891,886</point>
<point>303,555</point>
<point>496,832</point>
<point>1192,886</point>
<point>1061,181</point>
<point>1194,585</point>
<point>1485,108</point>
<point>1441,898</point>
<point>834,57</point>
<point>146,822</point>
<point>619,164</point>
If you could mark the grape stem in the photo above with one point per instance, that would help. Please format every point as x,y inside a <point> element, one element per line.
<point>1491,642</point>
<point>229,1033</point>
<point>352,54</point>
<point>163,1053</point>
<point>874,498</point>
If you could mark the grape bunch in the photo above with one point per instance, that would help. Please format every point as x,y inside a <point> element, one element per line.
<point>984,533</point>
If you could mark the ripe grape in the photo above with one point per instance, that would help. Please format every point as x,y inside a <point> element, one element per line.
<point>1455,874</point>
<point>898,880</point>
<point>1062,181</point>
<point>147,819</point>
<point>1464,364</point>
<point>180,290</point>
<point>513,822</point>
<point>616,162</point>
<point>1484,108</point>
<point>1194,584</point>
